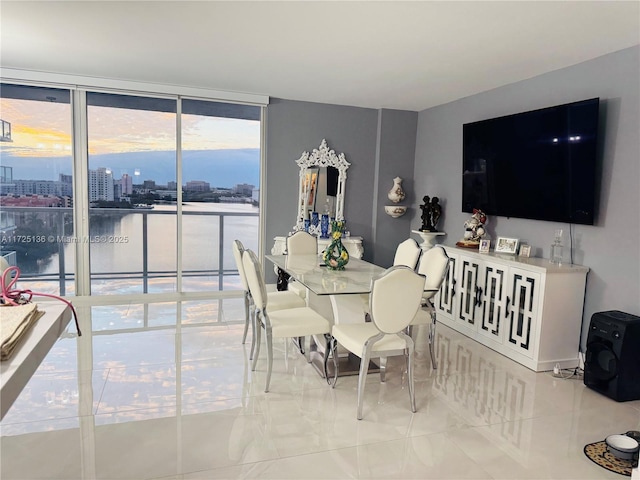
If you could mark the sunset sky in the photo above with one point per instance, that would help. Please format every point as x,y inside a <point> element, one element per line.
<point>44,129</point>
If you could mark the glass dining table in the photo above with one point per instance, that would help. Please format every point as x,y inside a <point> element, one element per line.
<point>348,291</point>
<point>343,286</point>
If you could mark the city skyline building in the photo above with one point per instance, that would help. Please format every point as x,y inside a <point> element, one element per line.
<point>101,185</point>
<point>197,186</point>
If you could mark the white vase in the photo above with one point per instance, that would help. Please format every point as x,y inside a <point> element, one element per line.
<point>396,194</point>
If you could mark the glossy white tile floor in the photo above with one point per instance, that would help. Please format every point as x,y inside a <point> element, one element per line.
<point>165,391</point>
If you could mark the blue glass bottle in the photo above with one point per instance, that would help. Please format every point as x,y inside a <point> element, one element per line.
<point>324,226</point>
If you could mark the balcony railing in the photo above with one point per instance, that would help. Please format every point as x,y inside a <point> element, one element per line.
<point>57,226</point>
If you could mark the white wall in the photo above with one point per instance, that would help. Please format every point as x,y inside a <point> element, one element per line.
<point>611,248</point>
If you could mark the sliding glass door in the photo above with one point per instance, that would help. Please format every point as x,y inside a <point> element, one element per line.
<point>220,173</point>
<point>132,217</point>
<point>165,185</point>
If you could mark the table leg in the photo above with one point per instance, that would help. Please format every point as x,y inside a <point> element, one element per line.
<point>346,309</point>
<point>283,280</point>
<point>348,363</point>
<point>349,308</point>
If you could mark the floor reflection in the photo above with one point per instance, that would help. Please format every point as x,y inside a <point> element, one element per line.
<point>166,390</point>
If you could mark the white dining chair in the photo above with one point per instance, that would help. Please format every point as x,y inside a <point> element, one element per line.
<point>286,323</point>
<point>277,300</point>
<point>407,254</point>
<point>394,300</point>
<point>434,265</point>
<point>301,243</point>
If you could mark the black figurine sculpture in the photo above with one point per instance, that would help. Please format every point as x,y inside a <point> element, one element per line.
<point>426,214</point>
<point>431,212</point>
<point>436,212</point>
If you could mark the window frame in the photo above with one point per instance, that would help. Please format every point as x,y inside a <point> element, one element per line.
<point>78,87</point>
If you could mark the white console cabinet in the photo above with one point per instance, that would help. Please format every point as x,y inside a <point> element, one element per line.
<point>524,308</point>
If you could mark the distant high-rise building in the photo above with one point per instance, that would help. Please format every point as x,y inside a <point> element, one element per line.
<point>66,185</point>
<point>149,184</point>
<point>172,186</point>
<point>100,185</point>
<point>6,174</point>
<point>243,189</point>
<point>36,187</point>
<point>126,184</point>
<point>198,186</point>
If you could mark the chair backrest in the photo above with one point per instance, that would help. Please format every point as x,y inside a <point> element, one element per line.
<point>238,250</point>
<point>255,278</point>
<point>302,243</point>
<point>407,254</point>
<point>395,298</point>
<point>434,264</point>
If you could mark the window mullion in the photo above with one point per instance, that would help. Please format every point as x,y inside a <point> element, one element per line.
<point>80,161</point>
<point>179,194</point>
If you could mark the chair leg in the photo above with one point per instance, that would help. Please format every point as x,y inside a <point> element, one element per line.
<point>269,358</point>
<point>412,393</point>
<point>306,351</point>
<point>383,369</point>
<point>336,365</point>
<point>327,352</point>
<point>255,333</point>
<point>247,320</point>
<point>432,338</point>
<point>362,378</point>
<point>258,329</point>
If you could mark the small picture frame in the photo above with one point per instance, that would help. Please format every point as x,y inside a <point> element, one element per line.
<point>484,246</point>
<point>507,245</point>
<point>525,250</point>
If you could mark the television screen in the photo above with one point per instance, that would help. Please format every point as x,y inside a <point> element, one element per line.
<point>538,165</point>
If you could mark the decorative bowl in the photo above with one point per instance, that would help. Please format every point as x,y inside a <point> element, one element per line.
<point>622,446</point>
<point>395,211</point>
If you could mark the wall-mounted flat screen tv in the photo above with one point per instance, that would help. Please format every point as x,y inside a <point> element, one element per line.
<point>538,165</point>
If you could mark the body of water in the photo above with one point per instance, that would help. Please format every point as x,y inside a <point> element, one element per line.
<point>117,240</point>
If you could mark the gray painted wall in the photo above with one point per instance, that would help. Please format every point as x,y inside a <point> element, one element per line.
<point>396,154</point>
<point>611,248</point>
<point>294,127</point>
<point>379,144</point>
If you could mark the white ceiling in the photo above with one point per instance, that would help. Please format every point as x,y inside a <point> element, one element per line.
<point>387,54</point>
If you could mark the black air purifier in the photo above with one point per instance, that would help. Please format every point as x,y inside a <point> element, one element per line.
<point>612,365</point>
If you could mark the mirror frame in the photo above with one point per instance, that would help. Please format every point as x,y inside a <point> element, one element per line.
<point>321,157</point>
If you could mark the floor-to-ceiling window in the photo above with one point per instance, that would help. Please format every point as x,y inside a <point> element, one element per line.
<point>132,187</point>
<point>168,183</point>
<point>36,190</point>
<point>221,174</point>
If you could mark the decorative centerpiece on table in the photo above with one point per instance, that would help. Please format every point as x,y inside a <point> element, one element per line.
<point>474,230</point>
<point>335,256</point>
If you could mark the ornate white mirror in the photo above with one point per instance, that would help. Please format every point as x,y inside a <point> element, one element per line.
<point>323,175</point>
